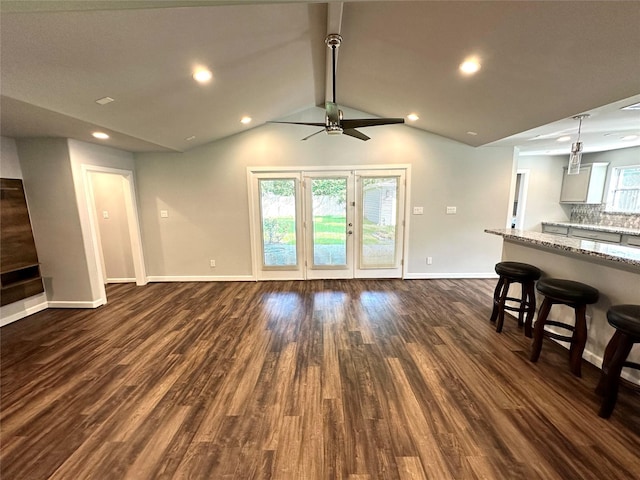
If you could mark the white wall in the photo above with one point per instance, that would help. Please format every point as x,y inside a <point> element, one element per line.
<point>49,188</point>
<point>9,161</point>
<point>205,193</point>
<point>88,154</point>
<point>543,195</point>
<point>56,193</point>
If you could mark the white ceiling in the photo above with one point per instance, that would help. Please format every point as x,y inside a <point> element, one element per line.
<point>542,63</point>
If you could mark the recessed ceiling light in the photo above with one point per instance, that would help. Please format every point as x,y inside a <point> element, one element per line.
<point>202,75</point>
<point>412,117</point>
<point>192,137</point>
<point>564,138</point>
<point>245,120</point>
<point>100,135</point>
<point>470,66</point>
<point>104,100</point>
<point>473,134</point>
<point>629,137</point>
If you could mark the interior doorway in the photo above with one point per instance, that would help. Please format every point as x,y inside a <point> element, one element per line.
<point>320,224</point>
<point>114,224</point>
<point>520,199</point>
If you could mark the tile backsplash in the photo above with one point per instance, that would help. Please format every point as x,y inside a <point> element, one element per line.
<point>595,215</point>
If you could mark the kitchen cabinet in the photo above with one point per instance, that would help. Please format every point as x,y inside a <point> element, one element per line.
<point>608,237</point>
<point>585,187</point>
<point>555,229</point>
<point>631,240</point>
<point>19,269</point>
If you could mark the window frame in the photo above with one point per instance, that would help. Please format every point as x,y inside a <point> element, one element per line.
<point>614,187</point>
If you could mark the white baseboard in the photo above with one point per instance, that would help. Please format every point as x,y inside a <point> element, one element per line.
<point>435,276</point>
<point>121,280</point>
<point>18,310</point>
<point>61,304</point>
<point>211,278</point>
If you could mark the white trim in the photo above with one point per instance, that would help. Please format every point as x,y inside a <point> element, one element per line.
<point>61,304</point>
<point>202,278</point>
<point>121,280</point>
<point>24,312</point>
<point>435,276</point>
<point>522,197</point>
<point>132,220</point>
<point>301,168</point>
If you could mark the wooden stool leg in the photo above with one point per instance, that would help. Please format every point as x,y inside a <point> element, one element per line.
<point>612,380</point>
<point>579,340</point>
<point>611,349</point>
<point>538,329</point>
<point>503,300</point>
<point>497,293</point>
<point>523,296</point>
<point>530,298</point>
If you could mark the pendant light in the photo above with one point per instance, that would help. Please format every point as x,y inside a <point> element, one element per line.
<point>576,149</point>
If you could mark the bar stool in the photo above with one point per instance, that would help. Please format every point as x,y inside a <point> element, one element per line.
<point>626,320</point>
<point>515,272</point>
<point>575,295</point>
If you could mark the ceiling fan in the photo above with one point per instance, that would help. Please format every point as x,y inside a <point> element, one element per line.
<point>334,123</point>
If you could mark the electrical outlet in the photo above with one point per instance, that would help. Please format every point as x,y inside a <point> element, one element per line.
<point>164,214</point>
<point>212,263</point>
<point>418,210</point>
<point>451,210</point>
<point>105,214</point>
<point>429,260</point>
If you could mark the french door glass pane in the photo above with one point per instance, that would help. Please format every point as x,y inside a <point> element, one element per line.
<point>278,217</point>
<point>328,210</point>
<point>378,247</point>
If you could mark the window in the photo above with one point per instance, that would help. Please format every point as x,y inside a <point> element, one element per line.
<point>624,190</point>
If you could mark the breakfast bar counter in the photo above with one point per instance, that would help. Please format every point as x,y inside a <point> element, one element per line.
<point>613,269</point>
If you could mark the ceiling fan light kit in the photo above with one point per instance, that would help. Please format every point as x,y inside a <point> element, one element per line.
<point>334,123</point>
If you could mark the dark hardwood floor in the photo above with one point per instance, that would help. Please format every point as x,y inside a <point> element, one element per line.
<point>300,380</point>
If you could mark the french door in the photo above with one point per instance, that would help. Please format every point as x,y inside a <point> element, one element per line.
<point>328,224</point>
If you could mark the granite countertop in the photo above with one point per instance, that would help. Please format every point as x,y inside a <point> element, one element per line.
<point>598,228</point>
<point>606,251</point>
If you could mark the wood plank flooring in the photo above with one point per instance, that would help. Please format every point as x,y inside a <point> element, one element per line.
<point>300,380</point>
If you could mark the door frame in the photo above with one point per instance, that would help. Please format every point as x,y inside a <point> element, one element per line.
<point>253,211</point>
<point>132,220</point>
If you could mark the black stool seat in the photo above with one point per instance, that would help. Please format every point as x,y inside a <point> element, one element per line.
<point>626,320</point>
<point>575,295</point>
<point>518,270</point>
<point>567,291</point>
<point>524,274</point>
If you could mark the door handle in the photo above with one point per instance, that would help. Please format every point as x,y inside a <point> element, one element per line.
<point>350,232</point>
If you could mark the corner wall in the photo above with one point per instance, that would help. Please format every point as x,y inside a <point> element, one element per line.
<point>205,194</point>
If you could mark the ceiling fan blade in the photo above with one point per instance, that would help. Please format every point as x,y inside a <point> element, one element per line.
<point>313,124</point>
<point>355,134</point>
<point>369,122</point>
<point>309,136</point>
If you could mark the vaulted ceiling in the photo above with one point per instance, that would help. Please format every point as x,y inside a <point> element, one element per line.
<point>542,63</point>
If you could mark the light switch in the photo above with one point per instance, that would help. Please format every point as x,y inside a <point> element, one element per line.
<point>418,210</point>
<point>105,214</point>
<point>451,210</point>
<point>164,213</point>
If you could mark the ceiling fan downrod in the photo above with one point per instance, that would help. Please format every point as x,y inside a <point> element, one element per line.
<point>333,41</point>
